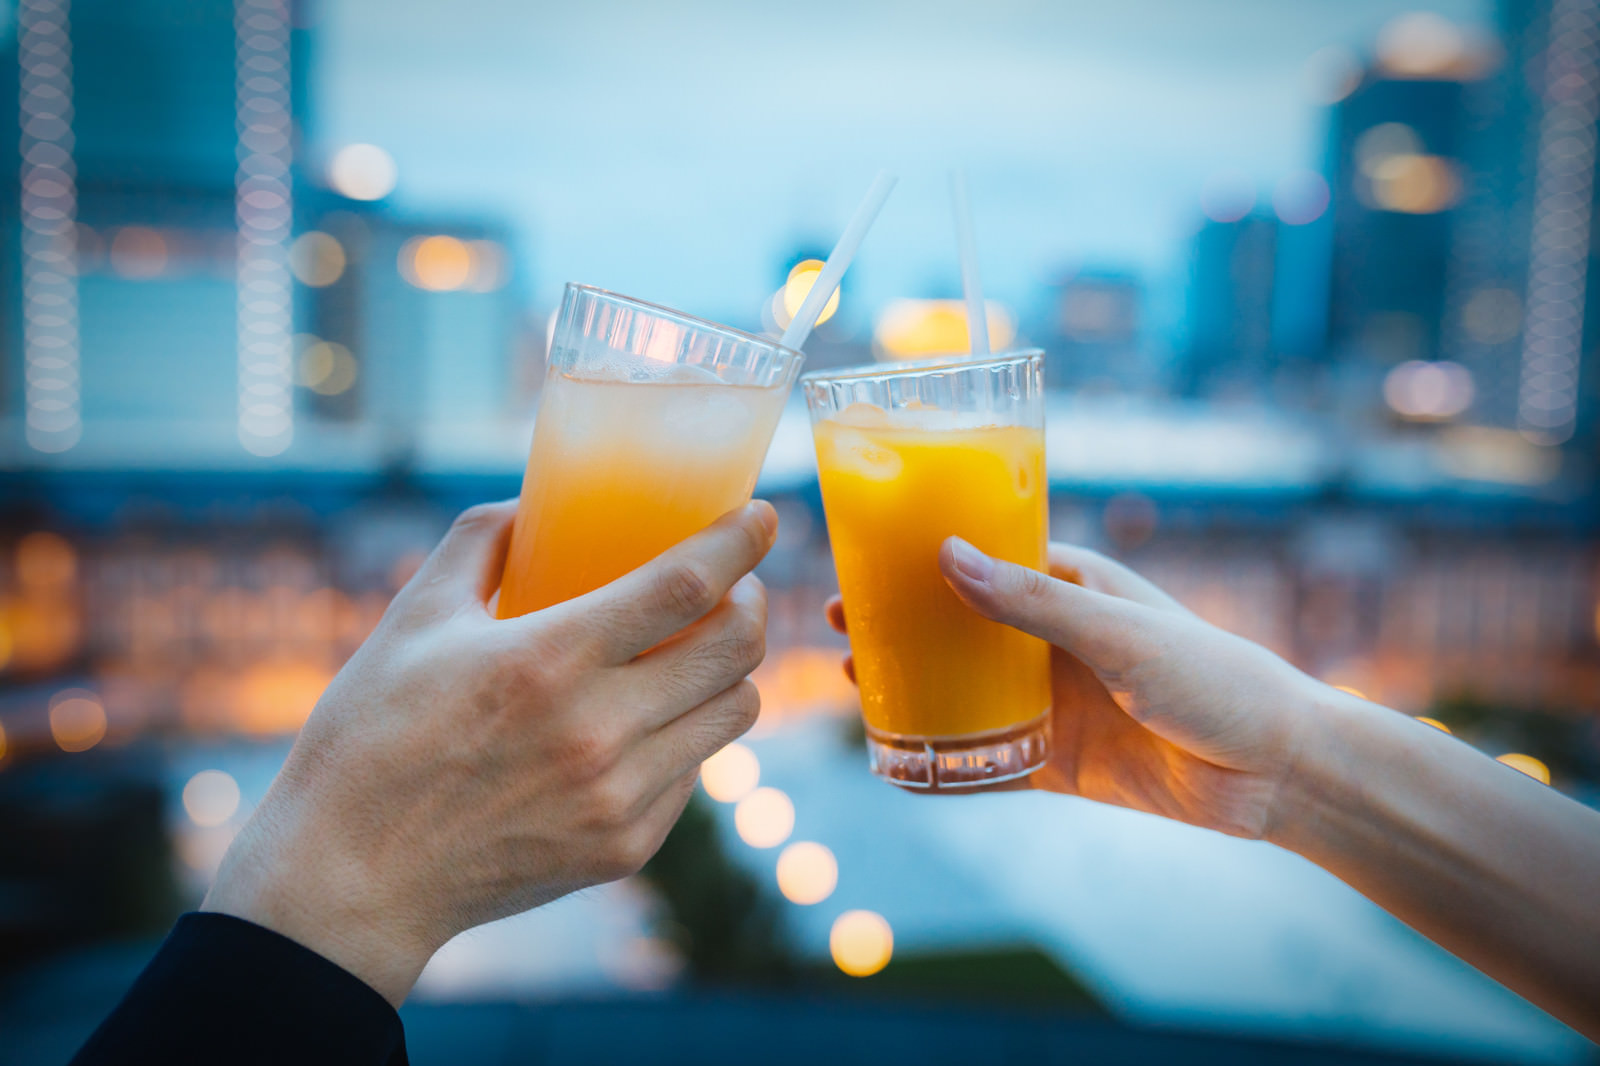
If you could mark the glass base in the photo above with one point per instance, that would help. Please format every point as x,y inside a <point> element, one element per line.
<point>940,764</point>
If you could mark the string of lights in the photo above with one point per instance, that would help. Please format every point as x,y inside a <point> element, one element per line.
<point>49,228</point>
<point>264,210</point>
<point>1547,400</point>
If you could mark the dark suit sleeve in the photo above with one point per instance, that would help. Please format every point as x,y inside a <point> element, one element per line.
<point>222,989</point>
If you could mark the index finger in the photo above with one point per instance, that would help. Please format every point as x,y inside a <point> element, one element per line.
<point>677,588</point>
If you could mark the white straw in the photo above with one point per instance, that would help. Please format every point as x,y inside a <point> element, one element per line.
<point>977,317</point>
<point>838,260</point>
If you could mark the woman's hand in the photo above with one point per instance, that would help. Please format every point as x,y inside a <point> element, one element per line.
<point>1154,709</point>
<point>462,768</point>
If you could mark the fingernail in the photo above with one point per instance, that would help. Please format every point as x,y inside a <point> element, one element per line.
<point>768,516</point>
<point>972,563</point>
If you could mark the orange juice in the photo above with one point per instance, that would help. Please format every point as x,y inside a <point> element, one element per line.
<point>893,488</point>
<point>623,469</point>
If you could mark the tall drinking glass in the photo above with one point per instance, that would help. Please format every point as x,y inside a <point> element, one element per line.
<point>910,454</point>
<point>650,425</point>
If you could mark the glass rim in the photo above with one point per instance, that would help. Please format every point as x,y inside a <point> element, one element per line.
<point>687,319</point>
<point>868,371</point>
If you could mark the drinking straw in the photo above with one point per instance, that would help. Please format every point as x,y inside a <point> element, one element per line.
<point>838,260</point>
<point>977,317</point>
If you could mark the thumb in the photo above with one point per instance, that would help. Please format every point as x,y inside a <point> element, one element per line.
<point>1109,635</point>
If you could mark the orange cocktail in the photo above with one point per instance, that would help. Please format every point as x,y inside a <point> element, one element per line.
<point>907,457</point>
<point>650,426</point>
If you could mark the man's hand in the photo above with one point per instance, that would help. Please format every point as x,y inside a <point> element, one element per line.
<point>462,768</point>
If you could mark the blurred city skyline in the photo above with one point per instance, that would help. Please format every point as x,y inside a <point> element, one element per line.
<point>1089,132</point>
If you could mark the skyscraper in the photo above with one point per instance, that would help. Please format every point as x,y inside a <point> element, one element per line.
<point>1522,316</point>
<point>166,260</point>
<point>1231,299</point>
<point>1396,176</point>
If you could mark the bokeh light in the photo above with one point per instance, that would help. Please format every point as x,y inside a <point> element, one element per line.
<point>77,720</point>
<point>1415,184</point>
<point>211,797</point>
<point>1527,764</point>
<point>861,942</point>
<point>909,329</point>
<point>1423,44</point>
<point>138,253</point>
<point>802,277</point>
<point>807,873</point>
<point>1300,198</point>
<point>731,774</point>
<point>1228,196</point>
<point>327,368</point>
<point>1331,74</point>
<point>1425,720</point>
<point>363,172</point>
<point>1428,392</point>
<point>765,818</point>
<point>2,736</point>
<point>45,561</point>
<point>317,259</point>
<point>1383,142</point>
<point>438,264</point>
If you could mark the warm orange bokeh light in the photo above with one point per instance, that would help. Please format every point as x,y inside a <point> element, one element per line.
<point>277,696</point>
<point>77,720</point>
<point>438,264</point>
<point>802,278</point>
<point>861,942</point>
<point>44,631</point>
<point>1534,768</point>
<point>45,561</point>
<point>807,873</point>
<point>909,329</point>
<point>765,818</point>
<point>731,774</point>
<point>1433,722</point>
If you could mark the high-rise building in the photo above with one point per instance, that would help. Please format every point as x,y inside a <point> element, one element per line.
<point>1097,333</point>
<point>1521,313</point>
<point>1232,287</point>
<point>157,283</point>
<point>1396,177</point>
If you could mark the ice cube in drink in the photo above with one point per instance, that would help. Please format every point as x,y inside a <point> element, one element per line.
<point>927,664</point>
<point>628,459</point>
<point>908,456</point>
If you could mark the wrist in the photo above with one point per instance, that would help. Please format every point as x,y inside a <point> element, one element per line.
<point>1333,759</point>
<point>279,876</point>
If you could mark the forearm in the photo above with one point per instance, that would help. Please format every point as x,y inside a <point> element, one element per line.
<point>1486,862</point>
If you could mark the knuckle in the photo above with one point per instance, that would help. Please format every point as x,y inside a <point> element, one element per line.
<point>586,753</point>
<point>746,706</point>
<point>611,802</point>
<point>687,589</point>
<point>743,645</point>
<point>627,852</point>
<point>526,676</point>
<point>1032,584</point>
<point>755,539</point>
